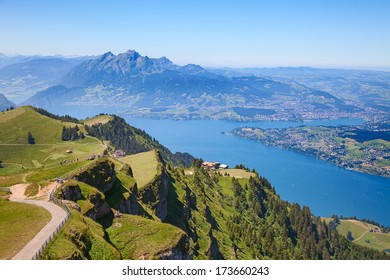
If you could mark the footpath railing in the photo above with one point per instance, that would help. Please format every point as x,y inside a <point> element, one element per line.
<point>63,205</point>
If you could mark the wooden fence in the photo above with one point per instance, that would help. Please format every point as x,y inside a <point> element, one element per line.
<point>63,205</point>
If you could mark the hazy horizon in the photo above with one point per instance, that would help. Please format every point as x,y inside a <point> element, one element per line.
<point>322,34</point>
<point>364,68</point>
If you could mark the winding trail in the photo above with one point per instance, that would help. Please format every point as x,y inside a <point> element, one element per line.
<point>57,216</point>
<point>359,224</point>
<point>360,237</point>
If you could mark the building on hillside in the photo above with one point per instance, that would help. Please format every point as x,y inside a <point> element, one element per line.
<point>214,165</point>
<point>210,165</point>
<point>223,166</point>
<point>118,154</point>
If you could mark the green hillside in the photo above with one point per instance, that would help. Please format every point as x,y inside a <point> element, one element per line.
<point>49,150</point>
<point>99,119</point>
<point>98,196</point>
<point>356,228</point>
<point>80,238</point>
<point>15,124</point>
<point>378,241</point>
<point>133,140</point>
<point>139,238</point>
<point>19,223</point>
<point>144,166</point>
<point>145,206</point>
<point>365,234</point>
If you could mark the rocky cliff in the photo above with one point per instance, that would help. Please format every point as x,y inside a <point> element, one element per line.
<point>101,175</point>
<point>155,194</point>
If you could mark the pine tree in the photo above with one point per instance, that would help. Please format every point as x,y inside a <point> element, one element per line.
<point>30,138</point>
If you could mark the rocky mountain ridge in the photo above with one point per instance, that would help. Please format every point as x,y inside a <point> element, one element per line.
<point>149,87</point>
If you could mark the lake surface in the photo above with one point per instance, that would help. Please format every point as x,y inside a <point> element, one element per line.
<point>325,188</point>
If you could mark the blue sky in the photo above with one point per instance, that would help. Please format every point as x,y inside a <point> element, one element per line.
<point>321,33</point>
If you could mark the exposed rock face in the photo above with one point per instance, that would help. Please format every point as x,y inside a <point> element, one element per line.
<point>100,175</point>
<point>156,194</point>
<point>73,205</point>
<point>131,205</point>
<point>162,206</point>
<point>70,191</point>
<point>91,213</point>
<point>102,208</point>
<point>128,170</point>
<point>213,251</point>
<point>180,252</point>
<point>175,254</point>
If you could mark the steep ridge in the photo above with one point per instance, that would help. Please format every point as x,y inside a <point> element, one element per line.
<point>208,215</point>
<point>133,140</point>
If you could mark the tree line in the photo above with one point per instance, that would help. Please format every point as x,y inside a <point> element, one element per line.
<point>263,224</point>
<point>65,118</point>
<point>71,133</point>
<point>133,140</point>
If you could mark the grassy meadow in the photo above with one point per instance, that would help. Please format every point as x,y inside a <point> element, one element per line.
<point>26,220</point>
<point>238,173</point>
<point>144,166</point>
<point>361,234</point>
<point>49,157</point>
<point>140,238</point>
<point>97,119</point>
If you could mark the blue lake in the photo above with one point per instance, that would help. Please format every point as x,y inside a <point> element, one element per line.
<point>325,188</point>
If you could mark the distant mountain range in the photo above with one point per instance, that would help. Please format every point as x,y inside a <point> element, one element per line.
<point>366,88</point>
<point>23,76</point>
<point>5,103</point>
<point>156,87</point>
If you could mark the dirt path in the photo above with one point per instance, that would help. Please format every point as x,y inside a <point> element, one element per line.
<point>57,216</point>
<point>357,239</point>
<point>25,177</point>
<point>359,224</point>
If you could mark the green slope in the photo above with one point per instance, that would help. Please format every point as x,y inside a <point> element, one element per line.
<point>80,238</point>
<point>19,223</point>
<point>144,166</point>
<point>365,234</point>
<point>145,207</point>
<point>49,150</point>
<point>244,218</point>
<point>133,140</point>
<point>15,124</point>
<point>140,238</point>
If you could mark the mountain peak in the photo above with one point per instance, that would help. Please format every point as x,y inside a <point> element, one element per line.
<point>5,103</point>
<point>106,55</point>
<point>132,54</point>
<point>192,69</point>
<point>164,63</point>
